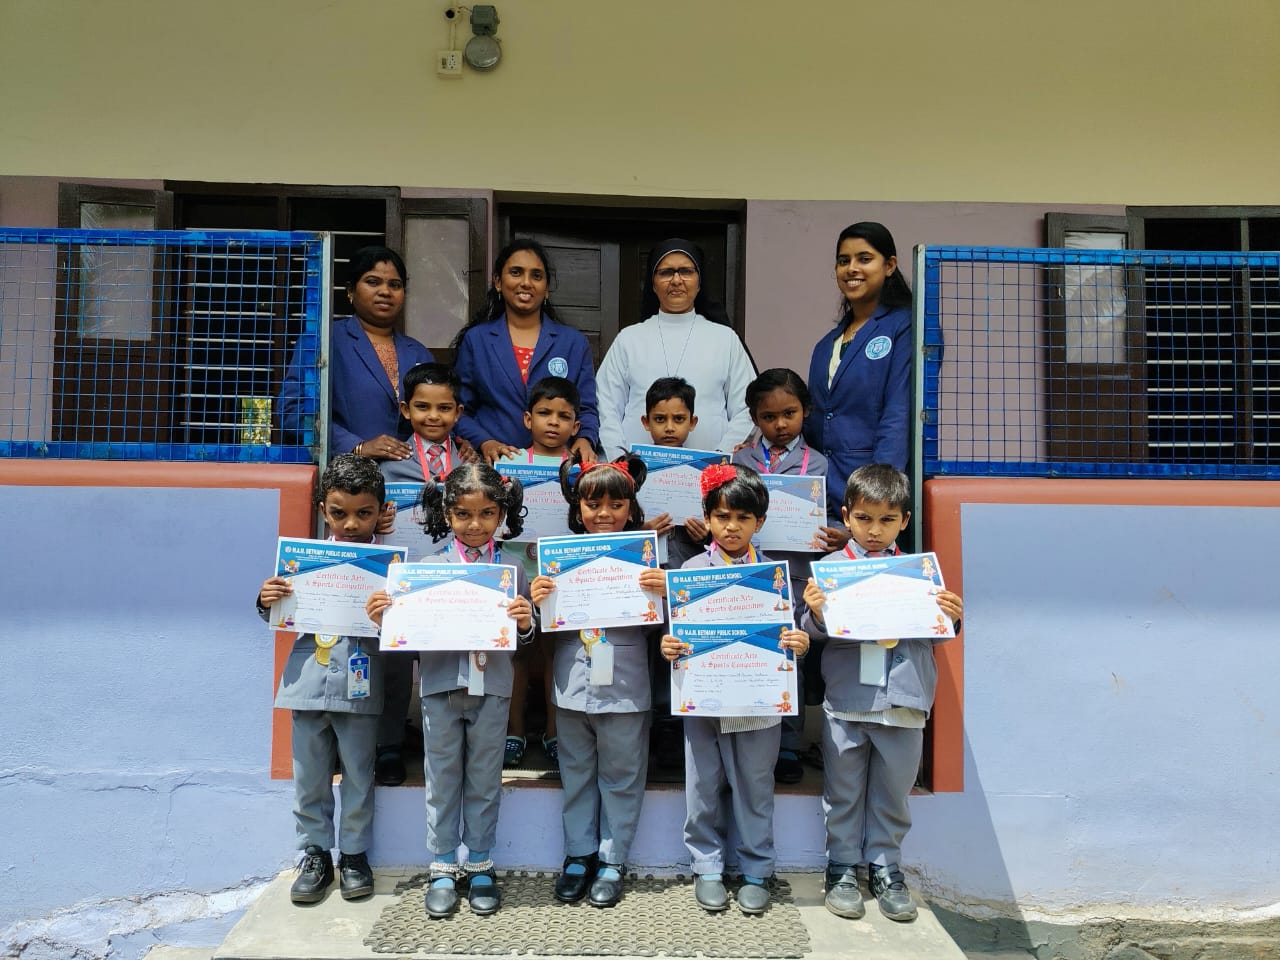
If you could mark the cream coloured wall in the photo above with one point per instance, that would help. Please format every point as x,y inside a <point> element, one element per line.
<point>1145,101</point>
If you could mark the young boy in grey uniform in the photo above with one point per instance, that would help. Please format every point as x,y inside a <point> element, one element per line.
<point>326,719</point>
<point>432,404</point>
<point>733,755</point>
<point>466,695</point>
<point>873,733</point>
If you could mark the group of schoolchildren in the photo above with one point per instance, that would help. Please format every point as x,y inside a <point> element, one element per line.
<point>872,735</point>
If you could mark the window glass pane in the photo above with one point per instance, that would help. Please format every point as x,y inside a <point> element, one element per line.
<point>116,282</point>
<point>436,256</point>
<point>1094,302</point>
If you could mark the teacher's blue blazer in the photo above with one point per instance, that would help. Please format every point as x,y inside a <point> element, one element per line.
<point>864,416</point>
<point>495,398</point>
<point>363,404</point>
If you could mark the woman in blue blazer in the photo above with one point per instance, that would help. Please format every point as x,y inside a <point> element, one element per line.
<point>860,373</point>
<point>512,342</point>
<point>368,358</point>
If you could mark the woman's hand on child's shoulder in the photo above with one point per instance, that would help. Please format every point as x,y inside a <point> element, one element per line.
<point>375,605</point>
<point>654,580</point>
<point>273,589</point>
<point>673,649</point>
<point>541,588</point>
<point>386,520</point>
<point>582,446</point>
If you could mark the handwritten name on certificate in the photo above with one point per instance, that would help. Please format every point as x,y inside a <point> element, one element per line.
<point>331,583</point>
<point>739,593</point>
<point>885,598</point>
<point>449,606</point>
<point>797,508</point>
<point>671,485</point>
<point>598,580</point>
<point>546,512</point>
<point>735,670</point>
<point>408,529</point>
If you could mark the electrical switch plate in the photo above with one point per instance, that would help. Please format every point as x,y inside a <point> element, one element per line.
<point>449,63</point>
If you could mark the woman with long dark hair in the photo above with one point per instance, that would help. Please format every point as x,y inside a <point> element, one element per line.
<point>860,373</point>
<point>513,341</point>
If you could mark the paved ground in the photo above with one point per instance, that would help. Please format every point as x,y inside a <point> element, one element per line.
<point>275,929</point>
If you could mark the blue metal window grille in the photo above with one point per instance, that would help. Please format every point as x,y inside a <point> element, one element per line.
<point>161,345</point>
<point>1118,363</point>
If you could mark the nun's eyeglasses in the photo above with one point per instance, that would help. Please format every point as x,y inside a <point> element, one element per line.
<point>670,273</point>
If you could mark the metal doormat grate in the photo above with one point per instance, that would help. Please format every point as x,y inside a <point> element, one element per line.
<point>657,917</point>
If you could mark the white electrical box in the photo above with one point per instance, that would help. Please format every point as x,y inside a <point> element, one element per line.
<point>449,63</point>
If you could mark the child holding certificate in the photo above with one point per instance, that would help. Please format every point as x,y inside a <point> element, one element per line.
<point>878,696</point>
<point>552,420</point>
<point>432,403</point>
<point>334,710</point>
<point>779,402</point>
<point>602,708</point>
<point>465,696</point>
<point>737,753</point>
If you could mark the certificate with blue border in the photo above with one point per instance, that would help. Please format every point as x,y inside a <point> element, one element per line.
<point>797,508</point>
<point>737,593</point>
<point>408,527</point>
<point>332,580</point>
<point>449,606</point>
<point>883,598</point>
<point>671,483</point>
<point>546,512</point>
<point>734,670</point>
<point>598,580</point>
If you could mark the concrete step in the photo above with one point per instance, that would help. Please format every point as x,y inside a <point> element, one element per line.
<point>275,929</point>
<point>179,953</point>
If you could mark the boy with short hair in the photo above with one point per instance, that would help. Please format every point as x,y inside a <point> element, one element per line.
<point>551,417</point>
<point>669,418</point>
<point>432,403</point>
<point>325,719</point>
<point>873,734</point>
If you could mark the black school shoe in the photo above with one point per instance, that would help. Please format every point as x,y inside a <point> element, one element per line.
<point>482,898</point>
<point>441,901</point>
<point>889,887</point>
<point>788,768</point>
<point>315,873</point>
<point>844,899</point>
<point>605,891</point>
<point>388,767</point>
<point>355,878</point>
<point>570,888</point>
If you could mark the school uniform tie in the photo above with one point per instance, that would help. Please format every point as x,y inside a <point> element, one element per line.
<point>471,553</point>
<point>435,459</point>
<point>775,457</point>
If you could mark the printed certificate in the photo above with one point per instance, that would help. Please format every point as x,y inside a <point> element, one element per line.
<point>886,598</point>
<point>671,485</point>
<point>332,581</point>
<point>598,580</point>
<point>739,593</point>
<point>546,512</point>
<point>408,529</point>
<point>735,670</point>
<point>797,508</point>
<point>449,606</point>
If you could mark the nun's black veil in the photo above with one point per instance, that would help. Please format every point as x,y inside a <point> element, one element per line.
<point>704,303</point>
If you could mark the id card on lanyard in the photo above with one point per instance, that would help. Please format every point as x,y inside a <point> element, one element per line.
<point>357,674</point>
<point>599,657</point>
<point>478,659</point>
